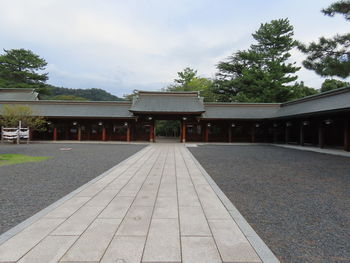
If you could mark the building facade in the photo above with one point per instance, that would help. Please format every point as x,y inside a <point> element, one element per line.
<point>320,120</point>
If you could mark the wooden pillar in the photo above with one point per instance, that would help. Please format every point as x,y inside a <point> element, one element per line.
<point>151,132</point>
<point>206,133</point>
<point>320,135</point>
<point>346,135</point>
<point>104,134</point>
<point>128,133</point>
<point>302,134</point>
<point>229,133</point>
<point>275,135</point>
<point>66,132</point>
<point>183,132</point>
<point>79,133</point>
<point>55,134</point>
<point>286,135</point>
<point>253,134</point>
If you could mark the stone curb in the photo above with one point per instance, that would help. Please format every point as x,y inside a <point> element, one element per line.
<point>21,226</point>
<point>263,251</point>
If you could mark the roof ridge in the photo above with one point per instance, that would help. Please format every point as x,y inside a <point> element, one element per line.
<point>316,96</point>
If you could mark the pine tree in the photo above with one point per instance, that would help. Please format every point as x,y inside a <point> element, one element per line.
<point>20,68</point>
<point>263,72</point>
<point>330,56</point>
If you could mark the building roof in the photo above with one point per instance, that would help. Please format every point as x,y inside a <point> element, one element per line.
<point>240,110</point>
<point>333,100</point>
<point>179,103</point>
<point>18,95</point>
<point>78,108</point>
<point>167,102</point>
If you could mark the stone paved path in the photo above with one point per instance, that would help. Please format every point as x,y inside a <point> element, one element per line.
<point>155,207</point>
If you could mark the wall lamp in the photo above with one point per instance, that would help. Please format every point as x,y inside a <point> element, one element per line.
<point>288,124</point>
<point>75,123</point>
<point>100,123</point>
<point>328,121</point>
<point>233,125</point>
<point>49,123</point>
<point>275,125</point>
<point>306,123</point>
<point>125,124</point>
<point>257,125</point>
<point>184,118</point>
<point>209,124</point>
<point>150,118</point>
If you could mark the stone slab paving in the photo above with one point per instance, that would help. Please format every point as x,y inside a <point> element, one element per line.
<point>155,207</point>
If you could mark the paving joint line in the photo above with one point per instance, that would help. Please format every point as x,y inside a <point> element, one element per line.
<point>154,205</point>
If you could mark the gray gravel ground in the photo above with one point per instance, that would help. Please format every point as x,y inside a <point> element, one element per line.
<point>29,187</point>
<point>297,201</point>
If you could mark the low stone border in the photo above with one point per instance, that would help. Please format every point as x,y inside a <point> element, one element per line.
<point>18,228</point>
<point>263,251</point>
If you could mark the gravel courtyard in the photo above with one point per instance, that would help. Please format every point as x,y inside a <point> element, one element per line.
<point>297,201</point>
<point>29,187</point>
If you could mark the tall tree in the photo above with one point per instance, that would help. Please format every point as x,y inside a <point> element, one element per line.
<point>189,81</point>
<point>331,84</point>
<point>21,68</point>
<point>330,56</point>
<point>262,73</point>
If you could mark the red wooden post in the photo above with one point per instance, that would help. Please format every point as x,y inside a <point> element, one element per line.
<point>346,135</point>
<point>79,133</point>
<point>55,134</point>
<point>104,134</point>
<point>253,133</point>
<point>151,132</point>
<point>183,132</point>
<point>206,133</point>
<point>128,133</point>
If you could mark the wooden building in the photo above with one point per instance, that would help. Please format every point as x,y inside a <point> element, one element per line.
<point>321,120</point>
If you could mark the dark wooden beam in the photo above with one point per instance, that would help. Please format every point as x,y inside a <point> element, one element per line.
<point>286,135</point>
<point>320,135</point>
<point>302,134</point>
<point>346,135</point>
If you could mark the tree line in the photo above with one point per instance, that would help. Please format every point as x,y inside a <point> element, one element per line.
<point>264,72</point>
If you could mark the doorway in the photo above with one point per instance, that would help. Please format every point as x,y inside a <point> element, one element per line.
<point>167,130</point>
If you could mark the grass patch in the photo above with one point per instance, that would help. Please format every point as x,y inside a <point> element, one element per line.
<point>8,159</point>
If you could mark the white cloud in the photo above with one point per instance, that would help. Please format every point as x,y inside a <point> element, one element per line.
<point>120,45</point>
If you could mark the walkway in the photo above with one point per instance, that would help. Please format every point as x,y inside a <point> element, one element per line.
<point>156,206</point>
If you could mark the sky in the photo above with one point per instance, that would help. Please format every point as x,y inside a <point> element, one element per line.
<point>120,45</point>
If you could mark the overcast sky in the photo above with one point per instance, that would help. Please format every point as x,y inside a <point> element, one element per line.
<point>120,45</point>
